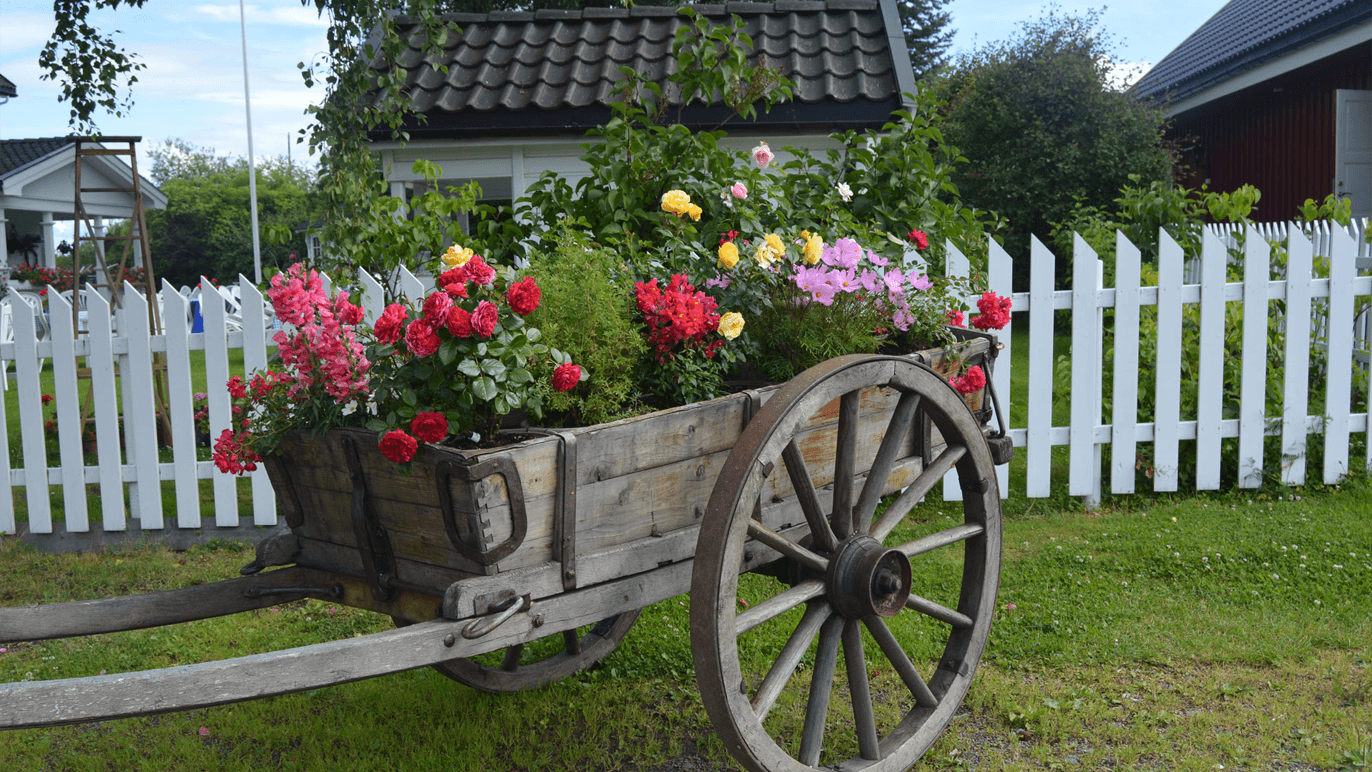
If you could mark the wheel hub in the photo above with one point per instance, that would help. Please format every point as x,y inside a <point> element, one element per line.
<point>867,579</point>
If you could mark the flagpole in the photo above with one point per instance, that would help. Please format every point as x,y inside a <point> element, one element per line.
<point>252,166</point>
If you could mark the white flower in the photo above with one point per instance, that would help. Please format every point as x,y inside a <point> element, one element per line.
<point>350,408</point>
<point>845,192</point>
<point>371,407</point>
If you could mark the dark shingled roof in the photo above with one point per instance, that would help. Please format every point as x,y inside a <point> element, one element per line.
<point>15,153</point>
<point>554,71</point>
<point>7,88</point>
<point>1243,35</point>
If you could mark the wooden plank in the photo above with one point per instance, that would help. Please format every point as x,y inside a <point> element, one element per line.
<point>1000,277</point>
<point>1210,379</point>
<point>1296,383</point>
<point>373,300</point>
<point>100,364</point>
<point>216,375</point>
<point>44,621</point>
<point>956,266</point>
<point>68,403</point>
<point>1125,399</point>
<point>254,360</point>
<point>140,415</point>
<point>1167,381</point>
<point>1253,367</point>
<point>1086,372</point>
<point>7,520</point>
<point>179,403</point>
<point>31,412</point>
<point>1038,447</point>
<point>1339,374</point>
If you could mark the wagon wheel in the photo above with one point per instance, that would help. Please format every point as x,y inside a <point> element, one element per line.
<point>847,579</point>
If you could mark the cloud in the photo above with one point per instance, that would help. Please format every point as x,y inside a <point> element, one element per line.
<point>25,32</point>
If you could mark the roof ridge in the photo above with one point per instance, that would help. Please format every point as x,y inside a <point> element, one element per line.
<point>655,11</point>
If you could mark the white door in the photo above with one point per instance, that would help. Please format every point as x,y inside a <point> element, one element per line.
<point>1353,149</point>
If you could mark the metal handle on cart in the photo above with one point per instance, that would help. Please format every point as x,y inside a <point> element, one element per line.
<point>507,608</point>
<point>500,465</point>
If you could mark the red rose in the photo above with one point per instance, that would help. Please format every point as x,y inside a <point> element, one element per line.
<point>918,238</point>
<point>430,427</point>
<point>454,282</point>
<point>436,307</point>
<point>460,322</point>
<point>523,296</point>
<point>995,312</point>
<point>398,446</point>
<point>420,338</point>
<point>954,317</point>
<point>349,313</point>
<point>566,377</point>
<point>236,388</point>
<point>484,318</point>
<point>478,271</point>
<point>973,381</point>
<point>47,399</point>
<point>387,328</point>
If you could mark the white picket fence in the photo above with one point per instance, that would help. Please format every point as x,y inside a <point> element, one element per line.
<point>1086,433</point>
<point>120,382</point>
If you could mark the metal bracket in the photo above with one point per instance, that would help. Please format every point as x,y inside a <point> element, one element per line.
<point>564,510</point>
<point>503,466</point>
<point>506,608</point>
<point>752,404</point>
<point>378,562</point>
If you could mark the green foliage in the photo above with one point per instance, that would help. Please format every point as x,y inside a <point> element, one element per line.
<point>88,63</point>
<point>927,35</point>
<point>1043,128</point>
<point>206,229</point>
<point>585,311</point>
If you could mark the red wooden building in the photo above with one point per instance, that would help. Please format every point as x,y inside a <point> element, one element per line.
<point>1277,94</point>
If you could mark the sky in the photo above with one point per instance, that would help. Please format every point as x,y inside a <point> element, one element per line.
<point>192,88</point>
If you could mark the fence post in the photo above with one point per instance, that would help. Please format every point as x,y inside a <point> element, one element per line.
<point>1038,445</point>
<point>68,403</point>
<point>1210,378</point>
<point>955,266</point>
<point>1296,383</point>
<point>1253,367</point>
<point>180,404</point>
<point>1084,476</point>
<point>1125,402</point>
<point>373,296</point>
<point>1339,371</point>
<point>140,415</point>
<point>254,359</point>
<point>1167,383</point>
<point>100,361</point>
<point>26,367</point>
<point>1000,274</point>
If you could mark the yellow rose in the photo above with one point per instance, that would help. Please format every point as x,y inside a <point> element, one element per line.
<point>775,243</point>
<point>456,257</point>
<point>730,325</point>
<point>694,211</point>
<point>728,255</point>
<point>814,246</point>
<point>765,255</point>
<point>676,202</point>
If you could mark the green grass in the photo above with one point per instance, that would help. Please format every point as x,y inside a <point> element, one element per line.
<point>1172,634</point>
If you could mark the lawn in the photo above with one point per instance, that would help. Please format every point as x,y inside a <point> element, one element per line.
<point>1210,632</point>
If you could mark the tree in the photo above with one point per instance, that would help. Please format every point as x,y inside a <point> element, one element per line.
<point>206,228</point>
<point>1042,128</point>
<point>925,25</point>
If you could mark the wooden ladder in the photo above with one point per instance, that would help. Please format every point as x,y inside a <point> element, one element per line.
<point>137,232</point>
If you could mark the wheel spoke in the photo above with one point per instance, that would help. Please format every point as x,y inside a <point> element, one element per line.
<point>917,490</point>
<point>571,641</point>
<point>941,613</point>
<point>809,500</point>
<point>901,662</point>
<point>821,683</point>
<point>789,658</point>
<point>941,539</point>
<point>845,462</point>
<point>511,661</point>
<point>786,547</point>
<point>778,604</point>
<point>900,423</point>
<point>855,661</point>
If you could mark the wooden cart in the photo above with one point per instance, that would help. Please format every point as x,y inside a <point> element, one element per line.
<point>572,533</point>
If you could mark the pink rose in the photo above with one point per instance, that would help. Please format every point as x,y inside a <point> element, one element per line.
<point>763,155</point>
<point>436,307</point>
<point>421,339</point>
<point>740,190</point>
<point>566,377</point>
<point>478,271</point>
<point>484,318</point>
<point>954,317</point>
<point>973,381</point>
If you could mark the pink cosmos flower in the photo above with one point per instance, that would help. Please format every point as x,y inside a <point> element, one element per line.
<point>844,254</point>
<point>763,155</point>
<point>877,260</point>
<point>870,280</point>
<point>895,281</point>
<point>740,190</point>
